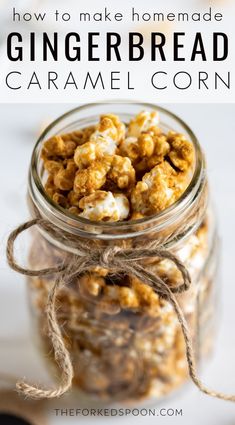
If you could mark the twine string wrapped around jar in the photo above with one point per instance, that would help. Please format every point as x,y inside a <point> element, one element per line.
<point>116,259</point>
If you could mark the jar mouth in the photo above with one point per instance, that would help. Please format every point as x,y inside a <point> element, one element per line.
<point>121,229</point>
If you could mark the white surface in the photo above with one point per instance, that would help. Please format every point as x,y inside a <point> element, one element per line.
<point>215,128</point>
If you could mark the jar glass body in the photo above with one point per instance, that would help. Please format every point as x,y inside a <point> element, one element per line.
<point>124,340</point>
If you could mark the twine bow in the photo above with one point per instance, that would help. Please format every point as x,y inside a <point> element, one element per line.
<point>115,259</point>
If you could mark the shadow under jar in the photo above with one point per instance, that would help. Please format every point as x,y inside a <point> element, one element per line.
<point>125,341</point>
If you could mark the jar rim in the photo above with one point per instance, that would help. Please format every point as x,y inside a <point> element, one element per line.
<point>92,229</point>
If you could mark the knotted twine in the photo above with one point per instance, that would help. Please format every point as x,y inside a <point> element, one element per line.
<point>116,259</point>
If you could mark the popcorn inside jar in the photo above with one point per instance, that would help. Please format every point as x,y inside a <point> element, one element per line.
<point>124,339</point>
<point>150,168</point>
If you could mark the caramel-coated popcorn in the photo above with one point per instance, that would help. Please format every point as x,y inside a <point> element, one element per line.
<point>100,149</point>
<point>124,339</point>
<point>103,141</point>
<point>64,178</point>
<point>156,191</point>
<point>91,284</point>
<point>161,150</point>
<point>57,147</point>
<point>52,166</point>
<point>90,179</point>
<point>50,187</point>
<point>144,121</point>
<point>74,198</point>
<point>181,152</point>
<point>146,151</point>
<point>85,155</point>
<point>136,148</point>
<point>106,130</point>
<point>104,206</point>
<point>149,168</point>
<point>60,199</point>
<point>120,126</point>
<point>122,172</point>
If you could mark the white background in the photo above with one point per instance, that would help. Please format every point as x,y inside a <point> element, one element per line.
<point>215,128</point>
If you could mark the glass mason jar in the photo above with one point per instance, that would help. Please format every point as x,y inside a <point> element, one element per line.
<point>122,350</point>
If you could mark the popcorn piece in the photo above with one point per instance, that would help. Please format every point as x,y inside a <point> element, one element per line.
<point>50,187</point>
<point>106,129</point>
<point>102,142</point>
<point>74,198</point>
<point>144,121</point>
<point>129,147</point>
<point>100,271</point>
<point>161,149</point>
<point>146,295</point>
<point>57,147</point>
<point>74,210</point>
<point>166,270</point>
<point>136,148</point>
<point>122,172</point>
<point>105,147</point>
<point>89,180</point>
<point>120,126</point>
<point>181,153</point>
<point>54,193</point>
<point>86,154</point>
<point>53,167</point>
<point>79,136</point>
<point>104,206</point>
<point>111,292</point>
<point>128,297</point>
<point>146,151</point>
<point>64,178</point>
<point>146,145</point>
<point>60,199</point>
<point>122,205</point>
<point>154,193</point>
<point>91,284</point>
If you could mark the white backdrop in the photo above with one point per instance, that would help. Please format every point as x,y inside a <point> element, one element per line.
<point>215,128</point>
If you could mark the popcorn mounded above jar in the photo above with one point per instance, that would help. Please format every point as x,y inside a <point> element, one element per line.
<point>115,171</point>
<point>126,176</point>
